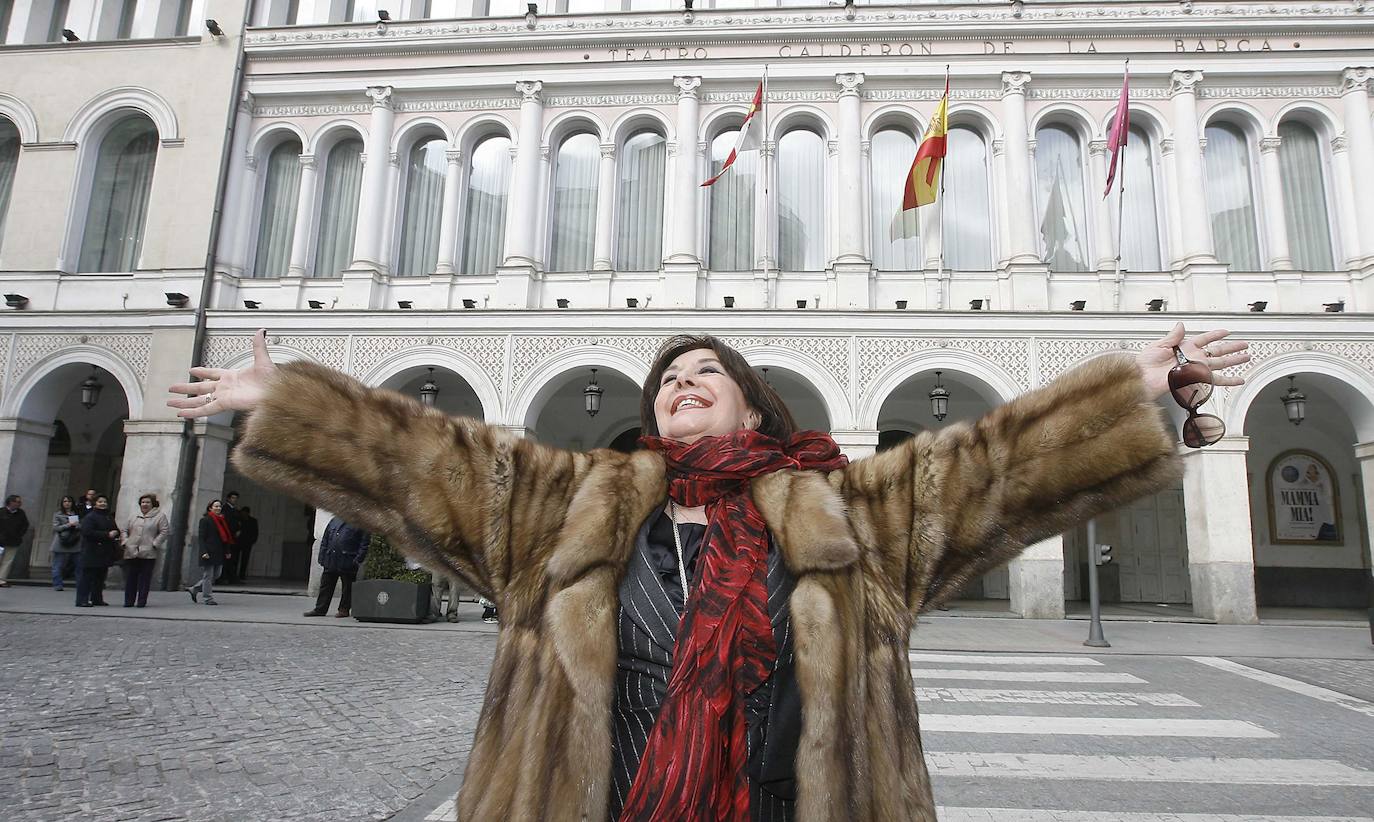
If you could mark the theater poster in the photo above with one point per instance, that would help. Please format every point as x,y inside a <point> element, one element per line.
<point>1304,504</point>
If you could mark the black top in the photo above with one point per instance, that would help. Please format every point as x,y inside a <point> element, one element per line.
<point>650,609</point>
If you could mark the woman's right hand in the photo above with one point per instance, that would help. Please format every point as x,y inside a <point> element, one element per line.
<point>223,389</point>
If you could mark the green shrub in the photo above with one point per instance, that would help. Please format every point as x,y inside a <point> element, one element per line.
<point>383,562</point>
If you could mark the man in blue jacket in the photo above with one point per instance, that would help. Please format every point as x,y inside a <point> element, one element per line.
<point>342,551</point>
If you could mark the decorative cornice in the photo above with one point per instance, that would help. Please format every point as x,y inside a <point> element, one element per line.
<point>608,151</point>
<point>250,162</point>
<point>1166,146</point>
<point>469,104</point>
<point>1097,147</point>
<point>1340,143</point>
<point>1232,92</point>
<point>454,156</point>
<point>307,162</point>
<point>312,110</point>
<point>597,100</point>
<point>1270,145</point>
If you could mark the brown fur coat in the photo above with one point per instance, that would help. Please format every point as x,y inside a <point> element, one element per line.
<point>547,533</point>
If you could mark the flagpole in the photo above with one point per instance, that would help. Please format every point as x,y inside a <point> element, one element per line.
<point>940,269</point>
<point>1121,206</point>
<point>771,298</point>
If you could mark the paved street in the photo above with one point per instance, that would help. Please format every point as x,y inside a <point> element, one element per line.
<point>177,715</point>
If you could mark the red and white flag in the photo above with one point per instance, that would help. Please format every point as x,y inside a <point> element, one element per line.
<point>1121,127</point>
<point>749,139</point>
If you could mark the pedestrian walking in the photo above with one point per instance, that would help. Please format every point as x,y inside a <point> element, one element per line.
<point>231,514</point>
<point>145,535</point>
<point>342,551</point>
<point>216,545</point>
<point>14,524</point>
<point>99,548</point>
<point>714,627</point>
<point>247,538</point>
<point>66,542</point>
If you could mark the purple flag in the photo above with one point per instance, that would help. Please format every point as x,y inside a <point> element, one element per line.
<point>1121,126</point>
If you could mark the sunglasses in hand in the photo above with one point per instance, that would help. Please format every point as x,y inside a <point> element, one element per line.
<point>1190,383</point>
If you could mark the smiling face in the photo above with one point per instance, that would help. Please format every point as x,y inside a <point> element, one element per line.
<point>102,503</point>
<point>697,398</point>
<point>216,507</point>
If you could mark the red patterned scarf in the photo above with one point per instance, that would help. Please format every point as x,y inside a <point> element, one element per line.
<point>694,765</point>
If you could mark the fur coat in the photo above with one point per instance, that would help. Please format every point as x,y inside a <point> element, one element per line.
<point>547,533</point>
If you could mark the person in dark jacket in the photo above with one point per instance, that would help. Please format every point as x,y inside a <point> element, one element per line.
<point>216,543</point>
<point>342,551</point>
<point>86,504</point>
<point>14,524</point>
<point>247,537</point>
<point>99,549</point>
<point>234,517</point>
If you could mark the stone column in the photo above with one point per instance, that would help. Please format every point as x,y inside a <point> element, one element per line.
<point>1018,192</point>
<point>152,451</point>
<point>1359,134</point>
<point>856,444</point>
<point>605,210</point>
<point>23,466</point>
<point>1343,180</point>
<point>1275,226</point>
<point>212,456</point>
<point>238,197</point>
<point>448,219</point>
<point>1202,277</point>
<point>853,270</point>
<point>1036,580</point>
<point>686,188</point>
<point>1108,296</point>
<point>1221,553</point>
<point>372,203</point>
<point>1364,454</point>
<point>515,275</point>
<point>305,214</point>
<point>1172,218</point>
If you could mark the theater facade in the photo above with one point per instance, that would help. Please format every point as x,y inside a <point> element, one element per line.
<point>495,205</point>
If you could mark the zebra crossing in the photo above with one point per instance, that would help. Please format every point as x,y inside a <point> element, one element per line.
<point>1086,728</point>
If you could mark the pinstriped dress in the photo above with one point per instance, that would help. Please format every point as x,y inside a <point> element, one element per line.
<point>650,608</point>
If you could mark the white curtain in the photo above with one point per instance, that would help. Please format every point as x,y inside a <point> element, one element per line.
<point>1062,215</point>
<point>967,212</point>
<point>343,181</point>
<point>1231,197</point>
<point>424,200</point>
<point>892,153</point>
<point>801,201</point>
<point>1304,198</point>
<point>731,239</point>
<point>484,223</point>
<point>9,162</point>
<point>281,188</point>
<point>575,180</point>
<point>1140,243</point>
<point>118,206</point>
<point>639,229</point>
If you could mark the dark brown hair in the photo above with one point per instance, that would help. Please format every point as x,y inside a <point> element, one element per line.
<point>775,420</point>
<point>150,497</point>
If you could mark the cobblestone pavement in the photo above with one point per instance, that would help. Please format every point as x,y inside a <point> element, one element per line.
<point>136,719</point>
<point>1349,676</point>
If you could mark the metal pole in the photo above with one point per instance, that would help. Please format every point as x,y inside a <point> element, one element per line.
<point>1095,638</point>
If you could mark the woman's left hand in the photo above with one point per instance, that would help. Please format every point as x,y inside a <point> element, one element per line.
<point>1211,347</point>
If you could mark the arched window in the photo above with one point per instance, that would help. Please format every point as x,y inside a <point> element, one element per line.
<point>1231,197</point>
<point>1140,242</point>
<point>639,229</point>
<point>484,220</point>
<point>1304,198</point>
<point>731,238</point>
<point>118,206</point>
<point>280,190</point>
<point>892,150</point>
<point>1063,218</point>
<point>967,208</point>
<point>801,201</point>
<point>423,202</point>
<point>9,162</point>
<point>574,203</point>
<point>343,181</point>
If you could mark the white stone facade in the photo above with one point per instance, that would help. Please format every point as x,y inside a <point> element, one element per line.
<point>847,359</point>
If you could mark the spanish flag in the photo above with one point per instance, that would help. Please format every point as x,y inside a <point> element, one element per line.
<point>749,139</point>
<point>923,181</point>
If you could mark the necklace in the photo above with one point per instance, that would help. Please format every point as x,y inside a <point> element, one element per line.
<point>677,543</point>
